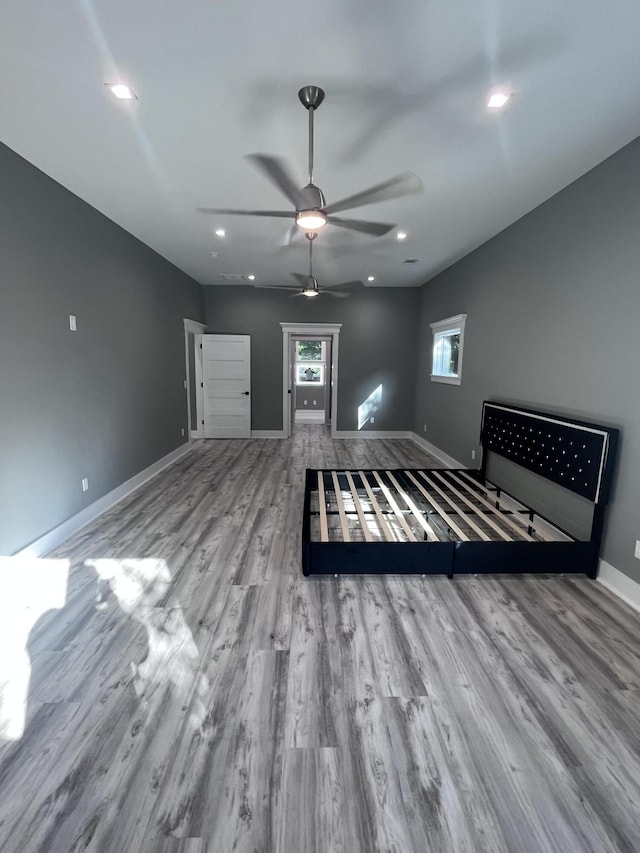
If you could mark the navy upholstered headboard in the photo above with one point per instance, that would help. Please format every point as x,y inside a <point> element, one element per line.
<point>574,454</point>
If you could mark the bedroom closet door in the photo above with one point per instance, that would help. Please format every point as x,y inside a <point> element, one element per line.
<point>226,379</point>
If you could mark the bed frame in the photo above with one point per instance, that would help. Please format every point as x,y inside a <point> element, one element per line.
<point>456,521</point>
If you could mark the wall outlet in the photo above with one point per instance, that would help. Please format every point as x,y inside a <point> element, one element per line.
<point>182,432</point>
<point>72,322</point>
<point>85,484</point>
<point>636,553</point>
<point>424,427</point>
<point>314,402</point>
<point>473,455</point>
<point>373,420</point>
<point>305,402</point>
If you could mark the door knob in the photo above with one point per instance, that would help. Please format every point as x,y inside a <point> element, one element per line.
<point>246,393</point>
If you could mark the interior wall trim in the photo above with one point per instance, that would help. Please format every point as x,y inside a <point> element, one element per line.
<point>68,528</point>
<point>371,433</point>
<point>289,330</point>
<point>619,584</point>
<point>449,461</point>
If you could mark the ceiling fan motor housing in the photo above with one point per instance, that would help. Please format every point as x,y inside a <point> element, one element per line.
<point>313,197</point>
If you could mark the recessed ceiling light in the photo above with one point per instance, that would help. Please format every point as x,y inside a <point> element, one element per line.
<point>401,235</point>
<point>410,261</point>
<point>220,232</point>
<point>251,277</point>
<point>214,254</point>
<point>371,278</point>
<point>498,100</point>
<point>124,93</point>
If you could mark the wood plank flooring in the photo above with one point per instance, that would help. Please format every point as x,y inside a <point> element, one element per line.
<point>195,694</point>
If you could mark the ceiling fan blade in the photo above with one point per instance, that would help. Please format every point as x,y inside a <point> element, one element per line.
<point>377,229</point>
<point>273,287</point>
<point>400,185</point>
<point>288,238</point>
<point>277,171</point>
<point>355,283</point>
<point>284,214</point>
<point>338,294</point>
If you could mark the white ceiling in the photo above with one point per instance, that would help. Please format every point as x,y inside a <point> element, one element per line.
<point>405,83</point>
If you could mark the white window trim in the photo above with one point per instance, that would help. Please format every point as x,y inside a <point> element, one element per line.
<point>307,383</point>
<point>458,321</point>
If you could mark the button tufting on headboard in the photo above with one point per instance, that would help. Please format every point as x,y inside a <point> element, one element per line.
<point>569,453</point>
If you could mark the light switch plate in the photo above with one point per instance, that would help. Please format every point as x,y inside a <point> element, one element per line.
<point>72,322</point>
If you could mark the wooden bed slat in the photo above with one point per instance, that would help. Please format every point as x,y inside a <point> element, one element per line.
<point>324,528</point>
<point>394,506</point>
<point>344,524</point>
<point>483,515</point>
<point>509,519</point>
<point>376,508</point>
<point>356,501</point>
<point>434,503</point>
<point>484,536</point>
<point>432,536</point>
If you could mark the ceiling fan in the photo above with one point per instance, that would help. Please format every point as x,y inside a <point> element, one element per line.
<point>311,209</point>
<point>309,283</point>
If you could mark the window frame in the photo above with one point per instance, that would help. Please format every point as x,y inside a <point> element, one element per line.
<point>441,329</point>
<point>309,383</point>
<point>323,352</point>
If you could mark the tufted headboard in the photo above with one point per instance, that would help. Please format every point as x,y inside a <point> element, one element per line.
<point>574,454</point>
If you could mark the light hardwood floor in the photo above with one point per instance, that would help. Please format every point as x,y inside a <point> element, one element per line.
<point>195,693</point>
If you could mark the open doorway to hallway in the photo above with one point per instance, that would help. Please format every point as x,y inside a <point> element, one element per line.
<point>311,379</point>
<point>310,372</point>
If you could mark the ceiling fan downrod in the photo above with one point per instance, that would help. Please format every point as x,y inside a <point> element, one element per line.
<point>311,97</point>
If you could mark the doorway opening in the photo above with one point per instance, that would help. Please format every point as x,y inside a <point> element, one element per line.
<point>310,374</point>
<point>193,376</point>
<point>311,380</point>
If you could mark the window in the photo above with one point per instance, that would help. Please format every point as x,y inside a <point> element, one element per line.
<point>446,361</point>
<point>310,362</point>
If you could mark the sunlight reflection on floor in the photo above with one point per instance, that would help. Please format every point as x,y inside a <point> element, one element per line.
<point>29,588</point>
<point>139,585</point>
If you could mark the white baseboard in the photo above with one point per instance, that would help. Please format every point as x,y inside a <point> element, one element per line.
<point>63,531</point>
<point>449,461</point>
<point>315,416</point>
<point>370,433</point>
<point>619,584</point>
<point>267,433</point>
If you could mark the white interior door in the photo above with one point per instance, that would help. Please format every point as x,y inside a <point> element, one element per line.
<point>226,379</point>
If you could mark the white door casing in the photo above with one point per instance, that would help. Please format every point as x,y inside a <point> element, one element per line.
<point>311,330</point>
<point>192,327</point>
<point>226,377</point>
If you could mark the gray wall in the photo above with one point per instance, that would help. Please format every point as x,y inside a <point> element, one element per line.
<point>313,394</point>
<point>103,402</point>
<point>553,308</point>
<point>377,346</point>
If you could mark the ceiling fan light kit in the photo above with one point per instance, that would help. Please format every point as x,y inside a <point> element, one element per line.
<point>311,220</point>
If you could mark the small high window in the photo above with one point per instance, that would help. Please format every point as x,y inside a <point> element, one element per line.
<point>310,362</point>
<point>448,338</point>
